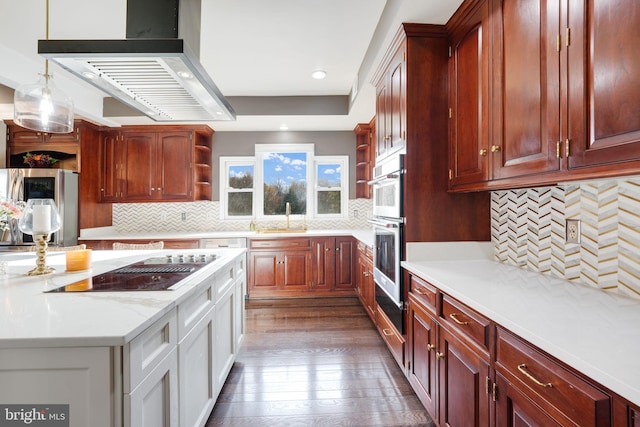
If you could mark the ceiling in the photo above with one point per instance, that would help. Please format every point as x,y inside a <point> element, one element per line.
<point>250,48</point>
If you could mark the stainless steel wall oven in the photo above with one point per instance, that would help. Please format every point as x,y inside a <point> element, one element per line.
<point>388,231</point>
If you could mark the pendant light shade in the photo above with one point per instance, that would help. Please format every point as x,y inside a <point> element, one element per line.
<point>43,107</point>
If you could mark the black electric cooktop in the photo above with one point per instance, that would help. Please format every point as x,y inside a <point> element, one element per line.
<point>152,274</point>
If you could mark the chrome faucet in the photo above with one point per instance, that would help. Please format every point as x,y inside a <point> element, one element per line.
<point>287,212</point>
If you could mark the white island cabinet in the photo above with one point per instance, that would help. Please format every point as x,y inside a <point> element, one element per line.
<point>130,359</point>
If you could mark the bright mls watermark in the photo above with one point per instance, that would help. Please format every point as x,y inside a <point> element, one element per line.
<point>34,415</point>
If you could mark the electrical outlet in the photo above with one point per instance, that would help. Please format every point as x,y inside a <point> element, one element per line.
<point>184,216</point>
<point>573,231</point>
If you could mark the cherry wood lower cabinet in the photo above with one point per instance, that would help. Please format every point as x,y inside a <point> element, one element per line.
<point>625,414</point>
<point>422,340</point>
<point>394,339</point>
<point>463,370</point>
<point>534,388</point>
<point>301,266</point>
<point>333,267</point>
<point>448,365</point>
<point>467,371</point>
<point>365,287</point>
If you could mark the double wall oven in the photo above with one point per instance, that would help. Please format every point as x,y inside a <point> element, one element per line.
<point>388,230</point>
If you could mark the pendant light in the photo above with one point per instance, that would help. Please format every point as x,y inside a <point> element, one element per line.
<point>41,106</point>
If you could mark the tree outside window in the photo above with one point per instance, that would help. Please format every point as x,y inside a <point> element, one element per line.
<point>284,181</point>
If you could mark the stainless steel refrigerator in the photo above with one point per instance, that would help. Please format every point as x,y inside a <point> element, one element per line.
<point>41,183</point>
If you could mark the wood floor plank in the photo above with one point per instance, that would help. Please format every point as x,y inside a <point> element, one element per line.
<point>315,362</point>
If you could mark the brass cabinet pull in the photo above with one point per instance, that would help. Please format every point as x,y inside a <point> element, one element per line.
<point>430,347</point>
<point>495,148</point>
<point>439,355</point>
<point>337,249</point>
<point>522,368</point>
<point>420,291</point>
<point>365,273</point>
<point>387,332</point>
<point>453,317</point>
<point>327,249</point>
<point>483,152</point>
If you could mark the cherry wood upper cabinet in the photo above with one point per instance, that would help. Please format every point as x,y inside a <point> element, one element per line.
<point>526,89</point>
<point>469,97</point>
<point>391,104</point>
<point>564,92</point>
<point>154,163</point>
<point>603,83</point>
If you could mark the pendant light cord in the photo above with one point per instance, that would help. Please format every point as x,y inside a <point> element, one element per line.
<point>46,36</point>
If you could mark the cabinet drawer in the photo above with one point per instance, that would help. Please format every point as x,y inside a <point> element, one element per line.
<point>224,279</point>
<point>390,335</point>
<point>181,244</point>
<point>365,249</point>
<point>423,292</point>
<point>284,243</point>
<point>193,309</point>
<point>462,318</point>
<point>550,383</point>
<point>145,351</point>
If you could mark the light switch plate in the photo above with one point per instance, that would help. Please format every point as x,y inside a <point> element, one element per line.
<point>573,231</point>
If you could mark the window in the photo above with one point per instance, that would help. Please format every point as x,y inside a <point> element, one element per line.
<point>282,173</point>
<point>237,187</point>
<point>315,187</point>
<point>331,181</point>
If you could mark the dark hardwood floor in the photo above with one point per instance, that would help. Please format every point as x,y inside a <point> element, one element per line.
<point>315,362</point>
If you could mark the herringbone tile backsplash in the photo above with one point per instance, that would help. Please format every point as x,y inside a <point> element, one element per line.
<point>205,216</point>
<point>528,230</point>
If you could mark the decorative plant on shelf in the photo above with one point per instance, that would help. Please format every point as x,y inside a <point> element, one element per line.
<point>9,215</point>
<point>39,160</point>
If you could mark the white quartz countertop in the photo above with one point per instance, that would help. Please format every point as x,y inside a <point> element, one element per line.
<point>29,317</point>
<point>596,332</point>
<point>110,233</point>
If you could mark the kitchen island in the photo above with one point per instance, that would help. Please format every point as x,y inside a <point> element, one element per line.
<point>121,358</point>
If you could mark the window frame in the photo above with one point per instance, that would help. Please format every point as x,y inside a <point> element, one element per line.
<point>225,163</point>
<point>343,162</point>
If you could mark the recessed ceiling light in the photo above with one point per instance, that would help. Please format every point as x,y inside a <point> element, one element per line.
<point>284,127</point>
<point>319,74</point>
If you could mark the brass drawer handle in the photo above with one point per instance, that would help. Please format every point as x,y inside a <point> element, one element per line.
<point>495,148</point>
<point>439,355</point>
<point>455,319</point>
<point>419,291</point>
<point>483,152</point>
<point>387,332</point>
<point>522,368</point>
<point>430,347</point>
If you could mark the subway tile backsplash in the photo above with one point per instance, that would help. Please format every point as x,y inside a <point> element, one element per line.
<point>528,230</point>
<point>205,216</point>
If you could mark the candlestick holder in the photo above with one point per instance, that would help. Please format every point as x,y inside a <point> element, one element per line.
<point>40,218</point>
<point>41,256</point>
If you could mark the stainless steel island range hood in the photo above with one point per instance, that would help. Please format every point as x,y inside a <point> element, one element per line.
<point>151,70</point>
